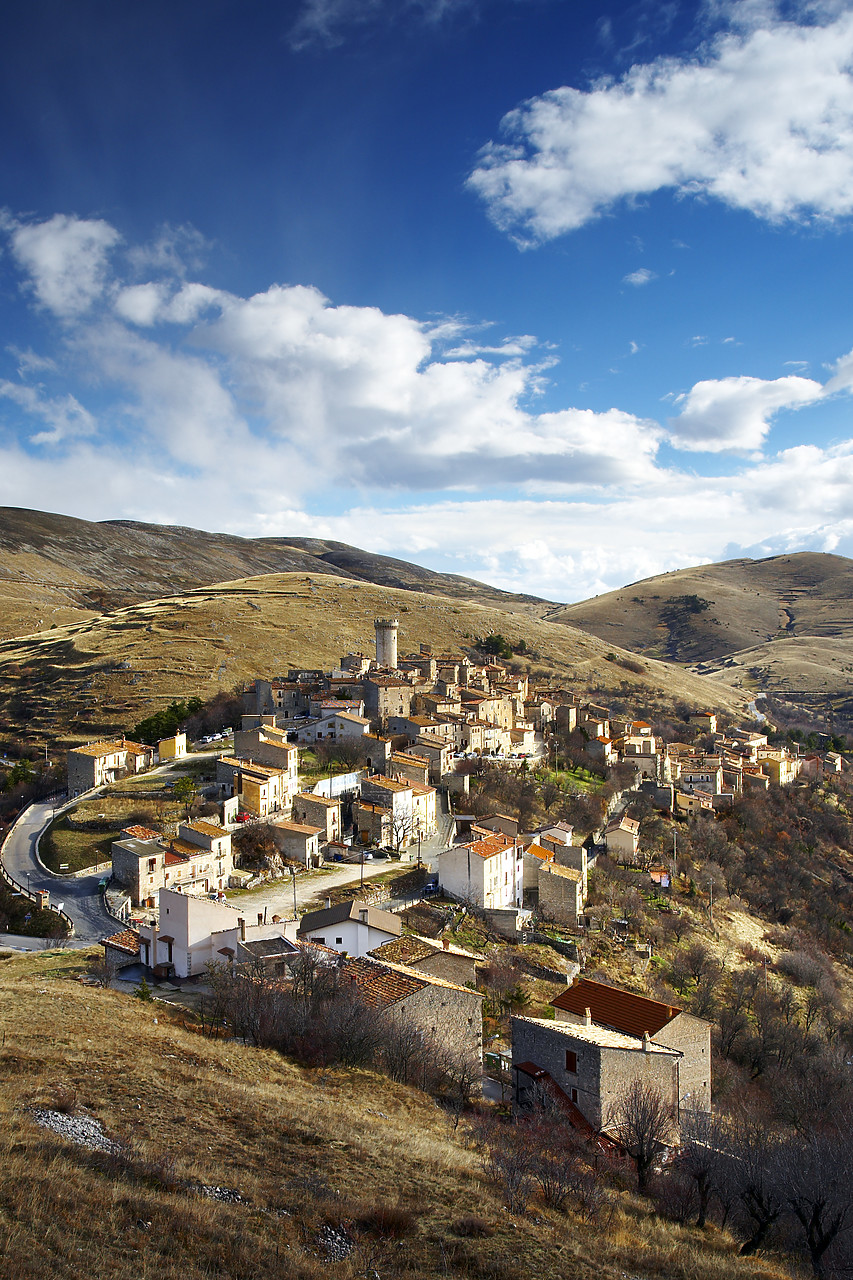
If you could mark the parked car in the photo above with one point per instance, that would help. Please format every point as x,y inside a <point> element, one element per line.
<point>243,817</point>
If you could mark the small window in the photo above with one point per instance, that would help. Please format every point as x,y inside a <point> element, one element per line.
<point>571,1061</point>
<point>574,1095</point>
<point>338,941</point>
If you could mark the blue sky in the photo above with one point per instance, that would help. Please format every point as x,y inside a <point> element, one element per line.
<point>552,294</point>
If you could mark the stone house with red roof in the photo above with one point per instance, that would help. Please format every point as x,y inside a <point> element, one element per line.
<point>603,1039</point>
<point>438,957</point>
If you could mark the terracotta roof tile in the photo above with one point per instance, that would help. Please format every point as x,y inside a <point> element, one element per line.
<point>127,940</point>
<point>612,1007</point>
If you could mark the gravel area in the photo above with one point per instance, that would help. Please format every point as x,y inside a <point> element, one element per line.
<point>84,1130</point>
<point>224,1194</point>
<point>335,1243</point>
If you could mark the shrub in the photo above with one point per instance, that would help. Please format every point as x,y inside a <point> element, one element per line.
<point>390,1221</point>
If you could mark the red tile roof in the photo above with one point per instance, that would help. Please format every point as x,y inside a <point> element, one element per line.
<point>624,1011</point>
<point>127,941</point>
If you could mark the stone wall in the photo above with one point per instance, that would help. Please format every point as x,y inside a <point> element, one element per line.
<point>693,1037</point>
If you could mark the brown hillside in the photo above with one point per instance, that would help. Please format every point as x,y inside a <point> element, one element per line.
<point>55,569</point>
<point>784,622</point>
<point>108,672</point>
<point>289,1153</point>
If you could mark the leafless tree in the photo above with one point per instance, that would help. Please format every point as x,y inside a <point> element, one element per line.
<point>643,1121</point>
<point>507,1155</point>
<point>751,1154</point>
<point>699,1157</point>
<point>816,1171</point>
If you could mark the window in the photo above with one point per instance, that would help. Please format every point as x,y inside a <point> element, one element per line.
<point>338,941</point>
<point>571,1061</point>
<point>573,1095</point>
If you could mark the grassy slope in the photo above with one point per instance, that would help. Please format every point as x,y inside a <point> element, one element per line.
<point>225,1115</point>
<point>56,569</point>
<point>753,604</point>
<point>109,672</point>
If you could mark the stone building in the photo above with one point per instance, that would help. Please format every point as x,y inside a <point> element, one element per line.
<point>99,763</point>
<point>438,957</point>
<point>592,1065</point>
<point>197,861</point>
<point>561,895</point>
<point>447,1013</point>
<point>313,810</point>
<point>636,1015</point>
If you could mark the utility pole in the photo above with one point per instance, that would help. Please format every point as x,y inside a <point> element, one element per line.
<point>295,911</point>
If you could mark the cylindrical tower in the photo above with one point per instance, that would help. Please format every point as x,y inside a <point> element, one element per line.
<point>386,642</point>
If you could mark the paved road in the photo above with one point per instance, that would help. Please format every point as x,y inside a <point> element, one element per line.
<point>80,897</point>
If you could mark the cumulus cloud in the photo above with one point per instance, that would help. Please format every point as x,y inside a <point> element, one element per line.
<point>760,118</point>
<point>334,394</point>
<point>735,414</point>
<point>65,259</point>
<point>171,401</point>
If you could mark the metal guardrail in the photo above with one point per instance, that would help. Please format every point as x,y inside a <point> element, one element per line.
<point>31,894</point>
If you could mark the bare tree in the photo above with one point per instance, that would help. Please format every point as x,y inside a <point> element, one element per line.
<point>751,1152</point>
<point>699,1157</point>
<point>816,1171</point>
<point>643,1121</point>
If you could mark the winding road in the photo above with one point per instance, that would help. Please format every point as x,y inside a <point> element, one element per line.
<point>79,897</point>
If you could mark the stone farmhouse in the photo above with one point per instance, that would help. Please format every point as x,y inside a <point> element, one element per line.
<point>99,763</point>
<point>449,1014</point>
<point>602,1040</point>
<point>440,958</point>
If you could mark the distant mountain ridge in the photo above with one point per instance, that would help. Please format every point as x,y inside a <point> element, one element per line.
<point>57,569</point>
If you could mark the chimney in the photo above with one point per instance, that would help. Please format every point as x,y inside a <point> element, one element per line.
<point>242,924</point>
<point>587,1017</point>
<point>647,1042</point>
<point>260,917</point>
<point>328,903</point>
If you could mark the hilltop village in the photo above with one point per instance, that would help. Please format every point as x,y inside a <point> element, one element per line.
<point>405,742</point>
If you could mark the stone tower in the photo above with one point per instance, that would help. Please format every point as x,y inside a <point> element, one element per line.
<point>386,642</point>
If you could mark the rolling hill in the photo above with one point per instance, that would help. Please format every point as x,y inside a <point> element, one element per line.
<point>56,569</point>
<point>105,673</point>
<point>784,623</point>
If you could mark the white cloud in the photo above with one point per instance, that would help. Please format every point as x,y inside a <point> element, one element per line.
<point>761,119</point>
<point>66,259</point>
<point>639,277</point>
<point>338,394</point>
<point>734,413</point>
<point>64,416</point>
<point>241,413</point>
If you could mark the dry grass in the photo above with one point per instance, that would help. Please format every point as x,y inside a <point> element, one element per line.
<point>783,623</point>
<point>84,837</point>
<point>107,673</point>
<point>307,1151</point>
